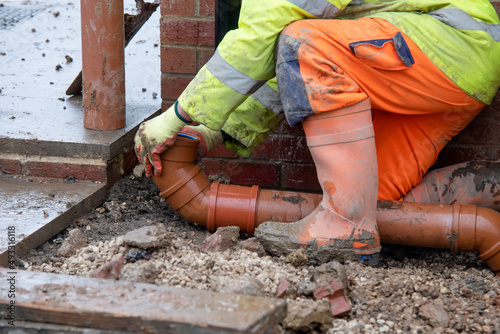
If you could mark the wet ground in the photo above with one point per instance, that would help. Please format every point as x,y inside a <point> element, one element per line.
<point>41,129</point>
<point>411,291</point>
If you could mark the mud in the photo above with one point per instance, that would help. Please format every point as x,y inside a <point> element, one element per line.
<point>280,239</point>
<point>486,175</point>
<point>411,290</point>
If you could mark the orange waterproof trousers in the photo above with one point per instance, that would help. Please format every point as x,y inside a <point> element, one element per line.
<point>324,65</point>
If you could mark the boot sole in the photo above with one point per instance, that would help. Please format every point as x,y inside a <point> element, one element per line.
<point>317,255</point>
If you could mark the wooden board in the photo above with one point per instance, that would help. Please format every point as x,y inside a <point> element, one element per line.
<point>134,307</point>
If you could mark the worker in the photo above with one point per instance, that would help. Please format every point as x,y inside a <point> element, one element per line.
<point>387,81</point>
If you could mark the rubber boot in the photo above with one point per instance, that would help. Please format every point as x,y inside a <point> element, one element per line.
<point>343,226</point>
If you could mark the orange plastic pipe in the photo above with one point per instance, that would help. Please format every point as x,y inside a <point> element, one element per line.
<point>456,227</point>
<point>212,205</point>
<point>103,64</point>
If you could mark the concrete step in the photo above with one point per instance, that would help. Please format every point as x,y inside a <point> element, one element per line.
<point>42,137</point>
<point>41,129</point>
<point>35,209</point>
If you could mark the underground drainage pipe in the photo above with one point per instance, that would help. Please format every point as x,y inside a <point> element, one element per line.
<point>103,64</point>
<point>212,204</point>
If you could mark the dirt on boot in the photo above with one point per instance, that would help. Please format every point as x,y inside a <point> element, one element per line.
<point>278,239</point>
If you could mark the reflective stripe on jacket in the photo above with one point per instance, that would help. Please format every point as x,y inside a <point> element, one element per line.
<point>461,37</point>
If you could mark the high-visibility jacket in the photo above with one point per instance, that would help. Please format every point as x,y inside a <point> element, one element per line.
<point>462,37</point>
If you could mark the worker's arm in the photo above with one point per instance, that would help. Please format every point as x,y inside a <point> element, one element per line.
<point>244,60</point>
<point>242,64</point>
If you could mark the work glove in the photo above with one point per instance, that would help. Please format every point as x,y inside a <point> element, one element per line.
<point>208,138</point>
<point>155,136</point>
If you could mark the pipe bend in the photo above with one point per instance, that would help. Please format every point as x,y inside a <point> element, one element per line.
<point>488,237</point>
<point>182,183</point>
<point>212,205</point>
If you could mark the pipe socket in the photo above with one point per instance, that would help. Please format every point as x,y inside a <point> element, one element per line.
<point>212,205</point>
<point>456,227</point>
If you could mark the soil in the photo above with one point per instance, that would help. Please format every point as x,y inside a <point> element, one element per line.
<point>412,290</point>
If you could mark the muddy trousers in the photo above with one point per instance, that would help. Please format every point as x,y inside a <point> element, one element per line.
<point>325,65</point>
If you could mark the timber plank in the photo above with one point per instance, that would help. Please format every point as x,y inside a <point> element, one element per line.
<point>135,307</point>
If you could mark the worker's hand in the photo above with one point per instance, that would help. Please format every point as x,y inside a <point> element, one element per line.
<point>208,138</point>
<point>155,136</point>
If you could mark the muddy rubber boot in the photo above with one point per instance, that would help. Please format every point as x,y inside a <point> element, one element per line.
<point>343,226</point>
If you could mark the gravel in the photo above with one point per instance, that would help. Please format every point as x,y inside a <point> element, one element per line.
<point>412,290</point>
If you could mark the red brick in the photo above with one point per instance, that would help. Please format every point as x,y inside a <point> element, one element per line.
<point>207,7</point>
<point>11,166</point>
<point>482,130</point>
<point>224,238</point>
<point>110,270</point>
<point>165,105</point>
<point>494,153</point>
<point>244,173</point>
<point>179,31</point>
<point>173,85</point>
<point>187,31</point>
<point>203,57</point>
<point>63,170</point>
<point>452,154</point>
<point>334,292</point>
<point>283,287</point>
<point>206,34</point>
<point>268,149</point>
<point>283,148</point>
<point>300,176</point>
<point>221,152</point>
<point>178,60</point>
<point>496,4</point>
<point>178,7</point>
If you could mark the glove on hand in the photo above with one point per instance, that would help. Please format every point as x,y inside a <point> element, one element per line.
<point>155,136</point>
<point>208,138</point>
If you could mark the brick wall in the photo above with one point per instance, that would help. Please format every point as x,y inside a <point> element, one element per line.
<point>187,43</point>
<point>480,139</point>
<point>283,160</point>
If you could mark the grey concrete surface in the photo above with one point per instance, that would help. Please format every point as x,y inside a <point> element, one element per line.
<point>39,58</point>
<point>33,105</point>
<point>40,209</point>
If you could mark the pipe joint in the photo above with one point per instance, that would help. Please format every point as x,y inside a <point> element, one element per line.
<point>188,190</point>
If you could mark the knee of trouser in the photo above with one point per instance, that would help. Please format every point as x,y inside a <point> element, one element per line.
<point>290,82</point>
<point>289,41</point>
<point>287,49</point>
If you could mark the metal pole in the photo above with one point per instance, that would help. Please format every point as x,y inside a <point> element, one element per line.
<point>103,63</point>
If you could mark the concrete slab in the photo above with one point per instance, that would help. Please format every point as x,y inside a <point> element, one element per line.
<point>38,210</point>
<point>36,117</point>
<point>134,307</point>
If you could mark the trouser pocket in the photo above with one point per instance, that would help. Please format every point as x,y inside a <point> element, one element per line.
<point>386,54</point>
